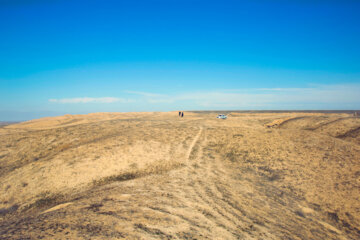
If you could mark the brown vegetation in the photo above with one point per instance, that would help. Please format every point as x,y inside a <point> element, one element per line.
<point>157,176</point>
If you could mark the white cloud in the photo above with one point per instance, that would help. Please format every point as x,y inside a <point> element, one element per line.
<point>90,100</point>
<point>145,94</point>
<point>341,96</point>
<point>313,97</point>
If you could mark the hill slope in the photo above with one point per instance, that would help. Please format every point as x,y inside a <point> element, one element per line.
<point>155,175</point>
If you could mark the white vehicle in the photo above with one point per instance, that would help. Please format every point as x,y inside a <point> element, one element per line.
<point>222,116</point>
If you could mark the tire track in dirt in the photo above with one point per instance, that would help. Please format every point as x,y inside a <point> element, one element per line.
<point>191,148</point>
<point>202,174</point>
<point>195,194</point>
<point>178,186</point>
<point>217,193</point>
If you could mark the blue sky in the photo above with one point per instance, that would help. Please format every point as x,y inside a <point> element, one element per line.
<point>59,57</point>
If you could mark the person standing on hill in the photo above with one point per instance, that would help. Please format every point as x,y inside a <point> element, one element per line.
<point>179,114</point>
<point>182,114</point>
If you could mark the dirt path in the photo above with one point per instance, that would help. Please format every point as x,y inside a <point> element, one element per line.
<point>196,138</point>
<point>203,189</point>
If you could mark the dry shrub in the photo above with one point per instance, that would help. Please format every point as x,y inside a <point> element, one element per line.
<point>155,168</point>
<point>63,147</point>
<point>230,150</point>
<point>232,155</point>
<point>4,211</point>
<point>47,199</point>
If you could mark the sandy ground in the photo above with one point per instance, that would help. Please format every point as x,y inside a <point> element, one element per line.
<point>158,176</point>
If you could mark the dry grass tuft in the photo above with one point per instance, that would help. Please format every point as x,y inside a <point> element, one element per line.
<point>46,199</point>
<point>156,168</point>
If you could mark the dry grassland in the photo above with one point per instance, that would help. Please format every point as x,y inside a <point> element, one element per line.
<point>158,176</point>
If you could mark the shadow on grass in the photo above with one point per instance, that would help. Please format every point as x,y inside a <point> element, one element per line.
<point>45,200</point>
<point>132,174</point>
